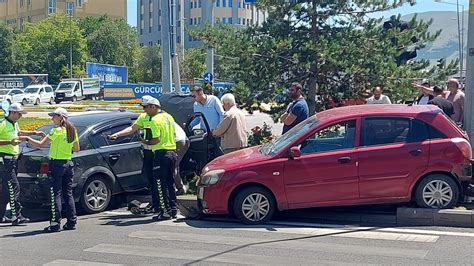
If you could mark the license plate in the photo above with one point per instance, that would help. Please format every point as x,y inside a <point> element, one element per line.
<point>201,193</point>
<point>60,98</point>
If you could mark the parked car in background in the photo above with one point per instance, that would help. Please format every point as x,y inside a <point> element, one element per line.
<point>13,96</point>
<point>353,155</point>
<point>103,167</point>
<point>41,93</point>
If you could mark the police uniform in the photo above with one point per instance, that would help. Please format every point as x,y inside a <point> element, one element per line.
<point>163,127</point>
<point>9,153</point>
<point>144,121</point>
<point>62,172</point>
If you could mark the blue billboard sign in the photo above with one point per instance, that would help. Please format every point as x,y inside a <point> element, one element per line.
<point>107,74</point>
<point>136,91</point>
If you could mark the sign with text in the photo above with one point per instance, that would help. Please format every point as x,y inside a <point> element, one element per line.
<point>107,74</point>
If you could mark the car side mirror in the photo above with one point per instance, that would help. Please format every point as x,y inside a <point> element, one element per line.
<point>294,152</point>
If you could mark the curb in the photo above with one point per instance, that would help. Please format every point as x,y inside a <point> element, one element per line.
<point>404,216</point>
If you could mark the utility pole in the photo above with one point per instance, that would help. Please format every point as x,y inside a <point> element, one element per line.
<point>208,11</point>
<point>165,45</point>
<point>468,107</point>
<point>181,29</point>
<point>70,38</point>
<point>174,52</point>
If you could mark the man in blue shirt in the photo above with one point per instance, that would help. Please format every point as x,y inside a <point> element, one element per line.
<point>210,106</point>
<point>297,111</point>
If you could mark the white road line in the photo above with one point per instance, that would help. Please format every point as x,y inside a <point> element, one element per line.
<point>199,256</point>
<point>332,232</point>
<point>78,263</point>
<point>281,242</point>
<point>336,226</point>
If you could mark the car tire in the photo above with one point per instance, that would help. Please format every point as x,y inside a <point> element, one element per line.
<point>96,195</point>
<point>254,205</point>
<point>24,102</point>
<point>57,102</point>
<point>51,101</point>
<point>37,102</point>
<point>437,191</point>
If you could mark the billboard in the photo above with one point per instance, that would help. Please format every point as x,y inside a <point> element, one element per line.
<point>136,91</point>
<point>107,74</point>
<point>21,81</point>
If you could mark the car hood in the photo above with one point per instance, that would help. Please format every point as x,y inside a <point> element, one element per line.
<point>237,158</point>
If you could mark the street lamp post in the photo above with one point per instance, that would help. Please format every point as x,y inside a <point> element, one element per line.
<point>460,34</point>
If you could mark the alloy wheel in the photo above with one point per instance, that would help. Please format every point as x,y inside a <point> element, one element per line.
<point>255,207</point>
<point>96,194</point>
<point>437,193</point>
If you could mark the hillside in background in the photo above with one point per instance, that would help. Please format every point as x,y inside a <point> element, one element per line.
<point>446,46</point>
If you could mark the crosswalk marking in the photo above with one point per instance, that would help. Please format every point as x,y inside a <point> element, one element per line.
<point>300,243</point>
<point>197,256</point>
<point>78,263</point>
<point>339,232</point>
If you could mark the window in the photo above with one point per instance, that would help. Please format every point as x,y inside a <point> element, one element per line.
<point>199,20</point>
<point>229,20</point>
<point>70,9</point>
<point>240,20</point>
<point>240,4</point>
<point>51,6</point>
<point>22,3</point>
<point>335,137</point>
<point>224,3</point>
<point>101,140</point>
<point>230,3</point>
<point>49,89</point>
<point>151,5</point>
<point>218,3</point>
<point>79,3</point>
<point>379,131</point>
<point>200,3</point>
<point>29,18</point>
<point>29,2</point>
<point>159,27</point>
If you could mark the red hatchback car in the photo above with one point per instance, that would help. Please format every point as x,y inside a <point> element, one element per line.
<point>367,154</point>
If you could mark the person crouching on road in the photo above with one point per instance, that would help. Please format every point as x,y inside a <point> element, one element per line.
<point>144,122</point>
<point>10,137</point>
<point>232,129</point>
<point>64,141</point>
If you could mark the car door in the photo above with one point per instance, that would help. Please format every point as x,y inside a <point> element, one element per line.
<point>202,148</point>
<point>123,155</point>
<point>17,96</point>
<point>394,151</point>
<point>49,93</point>
<point>327,168</point>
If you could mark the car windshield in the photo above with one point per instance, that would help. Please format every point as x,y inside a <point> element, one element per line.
<point>281,142</point>
<point>31,90</point>
<point>3,92</point>
<point>65,86</point>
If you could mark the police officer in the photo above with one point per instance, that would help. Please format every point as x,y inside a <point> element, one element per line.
<point>10,137</point>
<point>64,141</point>
<point>163,129</point>
<point>144,122</point>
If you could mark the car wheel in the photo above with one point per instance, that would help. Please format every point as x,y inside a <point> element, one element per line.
<point>254,205</point>
<point>24,102</point>
<point>57,102</point>
<point>51,101</point>
<point>37,102</point>
<point>437,191</point>
<point>96,195</point>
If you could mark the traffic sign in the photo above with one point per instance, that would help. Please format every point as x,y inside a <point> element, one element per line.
<point>208,77</point>
<point>249,2</point>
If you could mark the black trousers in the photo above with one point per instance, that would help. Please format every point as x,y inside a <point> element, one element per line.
<point>10,192</point>
<point>150,173</point>
<point>166,160</point>
<point>62,173</point>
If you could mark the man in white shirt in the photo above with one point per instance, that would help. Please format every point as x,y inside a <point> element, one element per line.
<point>378,97</point>
<point>182,146</point>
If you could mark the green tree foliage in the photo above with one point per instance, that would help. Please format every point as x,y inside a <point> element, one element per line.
<point>331,47</point>
<point>7,49</point>
<point>112,42</point>
<point>45,47</point>
<point>150,63</point>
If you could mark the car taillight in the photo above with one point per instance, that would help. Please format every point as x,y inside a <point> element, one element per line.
<point>464,146</point>
<point>44,169</point>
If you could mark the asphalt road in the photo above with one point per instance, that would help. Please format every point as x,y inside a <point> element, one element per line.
<point>120,238</point>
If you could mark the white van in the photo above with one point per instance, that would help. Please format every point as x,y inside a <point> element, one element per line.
<point>37,94</point>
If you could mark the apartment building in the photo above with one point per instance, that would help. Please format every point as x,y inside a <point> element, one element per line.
<point>17,12</point>
<point>232,12</point>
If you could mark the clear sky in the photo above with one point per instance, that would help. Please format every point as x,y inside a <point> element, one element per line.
<point>421,6</point>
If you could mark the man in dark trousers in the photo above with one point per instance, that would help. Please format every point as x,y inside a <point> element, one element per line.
<point>297,111</point>
<point>441,102</point>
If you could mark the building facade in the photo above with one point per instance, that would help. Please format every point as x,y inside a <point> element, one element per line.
<point>17,12</point>
<point>232,12</point>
